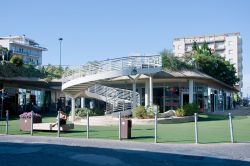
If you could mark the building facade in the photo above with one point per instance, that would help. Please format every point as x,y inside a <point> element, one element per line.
<point>29,50</point>
<point>30,94</point>
<point>228,45</point>
<point>173,89</point>
<point>127,82</point>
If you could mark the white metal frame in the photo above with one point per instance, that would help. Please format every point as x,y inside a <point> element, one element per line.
<point>84,78</point>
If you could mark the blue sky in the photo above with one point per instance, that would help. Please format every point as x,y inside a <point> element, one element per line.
<point>101,29</point>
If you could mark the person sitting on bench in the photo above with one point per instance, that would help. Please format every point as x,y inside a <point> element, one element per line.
<point>63,119</point>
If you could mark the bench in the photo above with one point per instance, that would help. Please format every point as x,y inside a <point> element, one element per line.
<point>48,127</point>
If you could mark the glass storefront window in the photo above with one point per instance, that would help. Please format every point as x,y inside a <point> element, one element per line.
<point>30,100</point>
<point>172,97</point>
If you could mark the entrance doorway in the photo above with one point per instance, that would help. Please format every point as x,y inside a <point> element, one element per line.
<point>185,99</point>
<point>158,97</point>
<point>212,102</point>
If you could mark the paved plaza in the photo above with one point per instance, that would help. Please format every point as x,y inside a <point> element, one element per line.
<point>28,150</point>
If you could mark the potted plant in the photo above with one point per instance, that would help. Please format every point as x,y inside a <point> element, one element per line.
<point>25,120</point>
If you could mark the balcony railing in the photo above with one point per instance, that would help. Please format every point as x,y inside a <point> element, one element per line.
<point>28,44</point>
<point>26,53</point>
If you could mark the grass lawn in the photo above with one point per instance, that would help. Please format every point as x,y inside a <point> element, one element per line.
<point>211,129</point>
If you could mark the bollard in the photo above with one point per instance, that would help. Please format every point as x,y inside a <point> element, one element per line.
<point>87,124</point>
<point>7,122</point>
<point>120,123</point>
<point>196,128</point>
<point>231,128</point>
<point>31,123</point>
<point>156,121</point>
<point>58,124</point>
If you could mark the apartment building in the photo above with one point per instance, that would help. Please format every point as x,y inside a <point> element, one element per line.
<point>228,45</point>
<point>28,49</point>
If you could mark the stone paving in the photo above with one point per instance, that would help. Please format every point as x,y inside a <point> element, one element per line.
<point>34,150</point>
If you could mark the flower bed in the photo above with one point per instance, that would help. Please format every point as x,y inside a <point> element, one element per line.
<point>25,120</point>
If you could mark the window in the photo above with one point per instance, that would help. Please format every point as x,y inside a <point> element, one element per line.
<point>179,47</point>
<point>230,43</point>
<point>230,52</point>
<point>20,50</point>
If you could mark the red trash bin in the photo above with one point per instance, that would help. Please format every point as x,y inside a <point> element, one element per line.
<point>126,129</point>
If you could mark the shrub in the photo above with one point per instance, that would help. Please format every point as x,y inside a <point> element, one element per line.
<point>27,115</point>
<point>98,111</point>
<point>12,70</point>
<point>52,72</point>
<point>17,60</point>
<point>82,112</point>
<point>190,109</point>
<point>140,112</point>
<point>179,112</point>
<point>151,111</point>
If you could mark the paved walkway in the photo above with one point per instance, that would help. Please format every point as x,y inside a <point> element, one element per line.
<point>240,111</point>
<point>109,120</point>
<point>28,150</point>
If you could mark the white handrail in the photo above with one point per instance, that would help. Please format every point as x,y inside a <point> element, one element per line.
<point>118,98</point>
<point>95,67</point>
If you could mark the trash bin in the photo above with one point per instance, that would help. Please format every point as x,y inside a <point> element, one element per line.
<point>126,129</point>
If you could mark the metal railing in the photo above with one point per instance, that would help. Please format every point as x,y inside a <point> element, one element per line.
<point>116,99</point>
<point>118,64</point>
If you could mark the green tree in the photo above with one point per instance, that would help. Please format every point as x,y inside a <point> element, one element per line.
<point>5,54</point>
<point>52,72</point>
<point>204,49</point>
<point>17,60</point>
<point>213,64</point>
<point>195,46</point>
<point>169,61</point>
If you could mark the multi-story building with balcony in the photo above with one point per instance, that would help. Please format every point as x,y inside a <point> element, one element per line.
<point>228,45</point>
<point>29,50</point>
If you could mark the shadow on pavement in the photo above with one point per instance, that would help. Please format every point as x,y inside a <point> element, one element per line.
<point>48,154</point>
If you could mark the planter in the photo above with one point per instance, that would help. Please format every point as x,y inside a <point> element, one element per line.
<point>25,123</point>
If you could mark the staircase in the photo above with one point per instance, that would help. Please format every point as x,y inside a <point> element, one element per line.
<point>116,99</point>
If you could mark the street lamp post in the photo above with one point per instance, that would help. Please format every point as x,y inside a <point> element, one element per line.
<point>2,97</point>
<point>60,41</point>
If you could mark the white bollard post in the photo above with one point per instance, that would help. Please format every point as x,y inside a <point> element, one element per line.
<point>196,128</point>
<point>31,123</point>
<point>120,123</point>
<point>156,121</point>
<point>231,128</point>
<point>7,122</point>
<point>87,124</point>
<point>58,124</point>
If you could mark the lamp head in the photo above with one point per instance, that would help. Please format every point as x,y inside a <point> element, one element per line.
<point>134,71</point>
